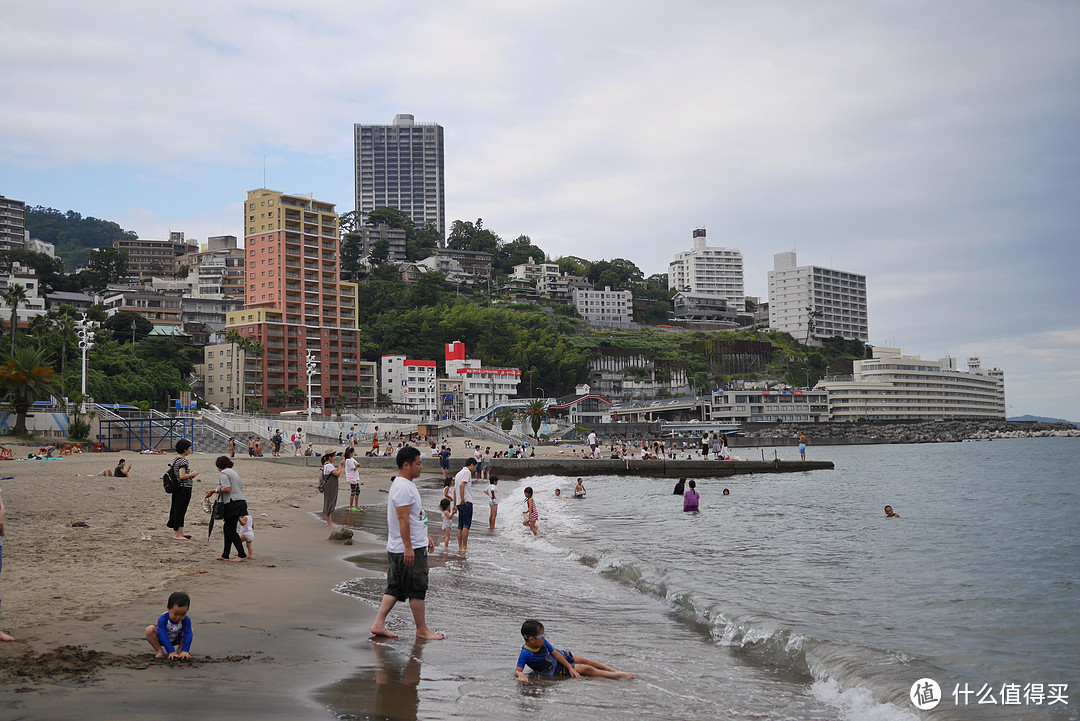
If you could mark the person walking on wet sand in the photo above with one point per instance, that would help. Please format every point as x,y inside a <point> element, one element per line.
<point>407,546</point>
<point>181,497</point>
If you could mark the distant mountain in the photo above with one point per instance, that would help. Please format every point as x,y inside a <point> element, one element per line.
<point>1040,419</point>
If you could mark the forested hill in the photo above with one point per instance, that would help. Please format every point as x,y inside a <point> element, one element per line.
<point>73,235</point>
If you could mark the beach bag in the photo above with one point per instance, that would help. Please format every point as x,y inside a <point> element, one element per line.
<point>171,481</point>
<point>218,511</point>
<point>323,478</point>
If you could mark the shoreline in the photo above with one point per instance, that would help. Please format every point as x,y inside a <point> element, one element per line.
<point>260,646</point>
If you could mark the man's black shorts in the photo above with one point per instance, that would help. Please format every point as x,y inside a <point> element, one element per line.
<point>407,582</point>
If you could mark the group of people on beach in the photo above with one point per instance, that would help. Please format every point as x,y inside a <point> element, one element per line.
<point>408,545</point>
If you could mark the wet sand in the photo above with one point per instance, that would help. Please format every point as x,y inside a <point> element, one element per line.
<point>267,633</point>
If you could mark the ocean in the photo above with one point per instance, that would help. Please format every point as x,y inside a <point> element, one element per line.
<point>793,598</point>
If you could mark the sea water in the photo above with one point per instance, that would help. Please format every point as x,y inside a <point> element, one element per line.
<point>794,597</point>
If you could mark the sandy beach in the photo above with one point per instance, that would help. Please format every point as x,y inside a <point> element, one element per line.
<point>266,631</point>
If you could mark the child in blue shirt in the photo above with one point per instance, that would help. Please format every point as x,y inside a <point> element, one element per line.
<point>172,627</point>
<point>545,660</point>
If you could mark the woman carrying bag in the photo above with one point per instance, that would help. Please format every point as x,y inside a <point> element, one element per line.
<point>231,493</point>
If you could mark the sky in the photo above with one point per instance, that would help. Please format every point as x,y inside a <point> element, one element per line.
<point>932,146</point>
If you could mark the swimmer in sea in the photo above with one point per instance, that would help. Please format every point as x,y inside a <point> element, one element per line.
<point>890,513</point>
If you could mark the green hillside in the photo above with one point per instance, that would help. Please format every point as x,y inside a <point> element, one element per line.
<point>73,235</point>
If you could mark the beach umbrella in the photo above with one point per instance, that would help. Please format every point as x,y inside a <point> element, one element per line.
<point>208,507</point>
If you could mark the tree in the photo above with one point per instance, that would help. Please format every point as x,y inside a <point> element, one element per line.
<point>253,350</point>
<point>811,316</point>
<point>233,337</point>
<point>120,326</point>
<point>40,325</point>
<point>608,279</point>
<point>351,252</point>
<point>14,296</point>
<point>380,252</point>
<point>65,329</point>
<point>536,411</point>
<point>25,378</point>
<point>281,397</point>
<point>350,222</point>
<point>390,217</point>
<point>106,265</point>
<point>472,236</point>
<point>420,242</point>
<point>516,252</point>
<point>299,395</point>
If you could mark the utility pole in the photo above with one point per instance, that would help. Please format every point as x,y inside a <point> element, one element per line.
<point>132,331</point>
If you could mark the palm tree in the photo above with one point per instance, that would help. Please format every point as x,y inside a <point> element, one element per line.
<point>25,378</point>
<point>40,325</point>
<point>281,397</point>
<point>65,326</point>
<point>14,296</point>
<point>253,350</point>
<point>233,336</point>
<point>536,411</point>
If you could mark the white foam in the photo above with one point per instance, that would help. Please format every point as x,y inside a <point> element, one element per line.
<point>856,704</point>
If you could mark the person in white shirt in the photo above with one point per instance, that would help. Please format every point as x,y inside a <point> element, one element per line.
<point>407,546</point>
<point>463,501</point>
<point>592,444</point>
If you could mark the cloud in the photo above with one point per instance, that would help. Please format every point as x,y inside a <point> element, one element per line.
<point>929,146</point>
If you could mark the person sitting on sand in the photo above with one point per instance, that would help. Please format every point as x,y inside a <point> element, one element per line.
<point>121,470</point>
<point>172,627</point>
<point>890,513</point>
<point>545,660</point>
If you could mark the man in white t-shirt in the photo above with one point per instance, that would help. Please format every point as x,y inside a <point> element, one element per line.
<point>463,499</point>
<point>592,443</point>
<point>407,548</point>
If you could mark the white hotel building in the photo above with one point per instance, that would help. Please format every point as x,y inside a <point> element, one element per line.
<point>410,383</point>
<point>605,307</point>
<point>839,297</point>
<point>894,386</point>
<point>716,271</point>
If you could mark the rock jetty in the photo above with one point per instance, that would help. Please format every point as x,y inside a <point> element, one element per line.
<point>833,433</point>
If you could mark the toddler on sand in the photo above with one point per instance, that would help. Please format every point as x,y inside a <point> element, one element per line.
<point>247,533</point>
<point>172,627</point>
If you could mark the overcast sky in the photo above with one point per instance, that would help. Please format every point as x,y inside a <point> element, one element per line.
<point>932,146</point>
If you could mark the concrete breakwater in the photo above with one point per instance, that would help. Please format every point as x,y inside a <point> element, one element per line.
<point>513,468</point>
<point>832,433</point>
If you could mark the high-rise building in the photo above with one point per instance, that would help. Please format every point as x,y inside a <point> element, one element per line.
<point>296,303</point>
<point>836,298</point>
<point>12,223</point>
<point>705,269</point>
<point>401,166</point>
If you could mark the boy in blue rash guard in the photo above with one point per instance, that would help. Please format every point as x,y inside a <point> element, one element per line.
<point>172,627</point>
<point>545,660</point>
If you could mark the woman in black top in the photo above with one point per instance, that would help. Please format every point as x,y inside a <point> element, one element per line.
<point>182,495</point>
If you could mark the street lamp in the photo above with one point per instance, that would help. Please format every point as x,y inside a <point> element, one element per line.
<point>86,342</point>
<point>312,369</point>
